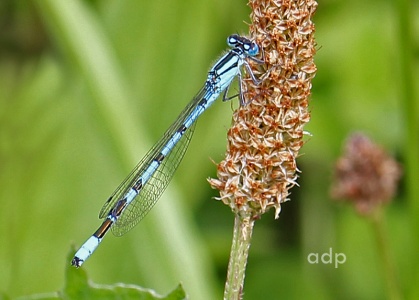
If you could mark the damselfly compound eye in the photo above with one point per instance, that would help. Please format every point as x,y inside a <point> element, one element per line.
<point>252,49</point>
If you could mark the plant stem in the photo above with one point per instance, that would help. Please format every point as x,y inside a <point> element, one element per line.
<point>409,99</point>
<point>385,256</point>
<point>242,234</point>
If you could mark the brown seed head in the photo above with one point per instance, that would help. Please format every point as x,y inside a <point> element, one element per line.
<point>267,134</point>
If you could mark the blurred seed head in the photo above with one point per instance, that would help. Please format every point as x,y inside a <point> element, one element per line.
<point>365,174</point>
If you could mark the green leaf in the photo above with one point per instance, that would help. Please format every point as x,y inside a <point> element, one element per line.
<point>79,287</point>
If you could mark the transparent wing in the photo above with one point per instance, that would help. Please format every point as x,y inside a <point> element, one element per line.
<point>155,186</point>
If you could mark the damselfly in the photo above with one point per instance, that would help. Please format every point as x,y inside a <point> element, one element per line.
<point>137,194</point>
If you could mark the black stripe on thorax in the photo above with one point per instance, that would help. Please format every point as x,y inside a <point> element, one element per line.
<point>233,52</point>
<point>225,60</point>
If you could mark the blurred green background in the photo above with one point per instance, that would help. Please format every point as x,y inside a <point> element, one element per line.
<point>86,87</point>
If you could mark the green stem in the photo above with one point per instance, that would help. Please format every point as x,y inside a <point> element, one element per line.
<point>410,103</point>
<point>409,99</point>
<point>242,234</point>
<point>385,255</point>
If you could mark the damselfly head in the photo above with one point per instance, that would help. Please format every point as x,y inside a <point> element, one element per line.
<point>249,47</point>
